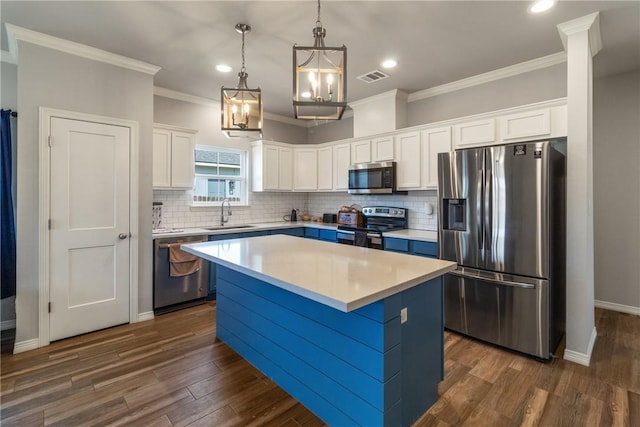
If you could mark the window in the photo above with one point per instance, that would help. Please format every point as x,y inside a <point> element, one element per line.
<point>219,174</point>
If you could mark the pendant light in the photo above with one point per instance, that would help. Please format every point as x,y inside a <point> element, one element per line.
<point>241,107</point>
<point>319,78</point>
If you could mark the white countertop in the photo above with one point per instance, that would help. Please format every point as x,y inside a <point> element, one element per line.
<point>411,234</point>
<point>341,276</point>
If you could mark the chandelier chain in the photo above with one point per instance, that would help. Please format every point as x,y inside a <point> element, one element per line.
<point>243,69</point>
<point>318,19</point>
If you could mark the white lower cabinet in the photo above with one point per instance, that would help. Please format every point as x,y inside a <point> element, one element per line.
<point>434,141</point>
<point>272,167</point>
<point>173,158</point>
<point>305,169</point>
<point>408,158</point>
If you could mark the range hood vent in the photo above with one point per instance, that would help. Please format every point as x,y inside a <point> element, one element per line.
<point>373,76</point>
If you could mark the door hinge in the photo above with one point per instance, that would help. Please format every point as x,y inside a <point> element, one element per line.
<point>49,224</point>
<point>49,307</point>
<point>49,141</point>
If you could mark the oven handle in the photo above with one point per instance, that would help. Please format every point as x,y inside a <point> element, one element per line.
<point>168,245</point>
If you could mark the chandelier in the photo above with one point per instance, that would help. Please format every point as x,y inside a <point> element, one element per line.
<point>241,107</point>
<point>319,78</point>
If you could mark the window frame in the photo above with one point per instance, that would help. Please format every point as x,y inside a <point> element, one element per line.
<point>243,177</point>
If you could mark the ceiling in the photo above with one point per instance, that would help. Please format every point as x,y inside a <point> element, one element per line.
<point>434,42</point>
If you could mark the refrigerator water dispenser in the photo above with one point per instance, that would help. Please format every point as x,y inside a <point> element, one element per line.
<point>454,214</point>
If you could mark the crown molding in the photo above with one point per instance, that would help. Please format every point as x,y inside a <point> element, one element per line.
<point>394,93</point>
<point>500,73</point>
<point>7,57</point>
<point>185,97</point>
<point>590,23</point>
<point>15,33</point>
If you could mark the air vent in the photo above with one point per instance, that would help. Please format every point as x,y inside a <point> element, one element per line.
<point>373,76</point>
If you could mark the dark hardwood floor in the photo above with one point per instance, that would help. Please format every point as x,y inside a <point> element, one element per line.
<point>170,372</point>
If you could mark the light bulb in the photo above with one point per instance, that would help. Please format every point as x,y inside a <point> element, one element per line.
<point>246,108</point>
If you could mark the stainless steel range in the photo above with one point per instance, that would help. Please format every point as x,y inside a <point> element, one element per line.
<point>377,220</point>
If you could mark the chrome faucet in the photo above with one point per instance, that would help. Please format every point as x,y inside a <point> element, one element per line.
<point>222,219</point>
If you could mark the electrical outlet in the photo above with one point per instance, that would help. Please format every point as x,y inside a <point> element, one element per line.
<point>403,315</point>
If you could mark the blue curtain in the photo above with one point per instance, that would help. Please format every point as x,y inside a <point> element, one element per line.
<point>7,224</point>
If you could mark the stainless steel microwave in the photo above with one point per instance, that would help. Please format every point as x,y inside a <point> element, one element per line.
<point>372,178</point>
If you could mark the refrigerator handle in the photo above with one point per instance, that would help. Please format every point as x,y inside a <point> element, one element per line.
<point>480,208</point>
<point>488,208</point>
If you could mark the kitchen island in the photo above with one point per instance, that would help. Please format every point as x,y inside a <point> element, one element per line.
<point>355,334</point>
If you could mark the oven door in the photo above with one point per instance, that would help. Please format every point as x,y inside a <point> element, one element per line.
<point>367,239</point>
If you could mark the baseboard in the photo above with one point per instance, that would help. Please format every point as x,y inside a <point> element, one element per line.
<point>22,346</point>
<point>7,324</point>
<point>582,358</point>
<point>148,315</point>
<point>629,309</point>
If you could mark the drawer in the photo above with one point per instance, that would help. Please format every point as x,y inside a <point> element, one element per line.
<point>312,233</point>
<point>398,245</point>
<point>328,235</point>
<point>429,249</point>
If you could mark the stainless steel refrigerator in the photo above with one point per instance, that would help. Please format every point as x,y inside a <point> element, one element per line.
<point>502,219</point>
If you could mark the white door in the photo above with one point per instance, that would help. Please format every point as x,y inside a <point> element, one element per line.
<point>89,237</point>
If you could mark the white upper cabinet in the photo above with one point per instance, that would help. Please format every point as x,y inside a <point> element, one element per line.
<point>382,149</point>
<point>536,123</point>
<point>434,141</point>
<point>325,168</point>
<point>407,157</point>
<point>305,169</point>
<point>477,132</point>
<point>341,164</point>
<point>272,167</point>
<point>361,151</point>
<point>173,159</point>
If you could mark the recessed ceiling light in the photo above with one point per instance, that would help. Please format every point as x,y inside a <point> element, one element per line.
<point>541,5</point>
<point>223,68</point>
<point>389,63</point>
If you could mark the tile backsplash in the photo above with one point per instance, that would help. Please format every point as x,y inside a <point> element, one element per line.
<point>271,207</point>
<point>416,202</point>
<point>263,207</point>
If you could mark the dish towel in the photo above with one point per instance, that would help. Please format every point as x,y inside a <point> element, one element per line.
<point>182,263</point>
<point>360,239</point>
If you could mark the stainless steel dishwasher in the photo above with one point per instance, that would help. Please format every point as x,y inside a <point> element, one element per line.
<point>172,293</point>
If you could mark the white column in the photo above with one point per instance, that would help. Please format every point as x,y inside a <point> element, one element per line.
<point>581,39</point>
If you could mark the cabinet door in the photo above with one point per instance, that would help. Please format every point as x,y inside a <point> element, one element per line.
<point>270,167</point>
<point>182,159</point>
<point>341,163</point>
<point>479,132</point>
<point>408,157</point>
<point>434,141</point>
<point>285,170</point>
<point>361,151</point>
<point>382,149</point>
<point>325,168</point>
<point>305,169</point>
<point>161,158</point>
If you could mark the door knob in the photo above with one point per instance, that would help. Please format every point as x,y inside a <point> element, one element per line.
<point>122,236</point>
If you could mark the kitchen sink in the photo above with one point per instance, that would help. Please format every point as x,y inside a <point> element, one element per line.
<point>222,227</point>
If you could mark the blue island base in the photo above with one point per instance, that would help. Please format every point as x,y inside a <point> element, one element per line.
<point>363,367</point>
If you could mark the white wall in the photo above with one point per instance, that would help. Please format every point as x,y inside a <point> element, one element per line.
<point>50,78</point>
<point>616,190</point>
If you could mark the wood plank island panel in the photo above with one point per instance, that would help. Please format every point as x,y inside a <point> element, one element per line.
<point>357,368</point>
<point>228,391</point>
